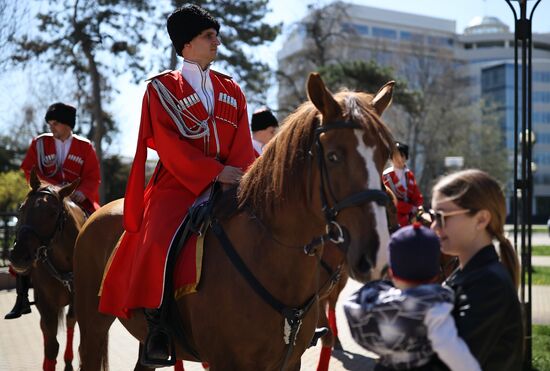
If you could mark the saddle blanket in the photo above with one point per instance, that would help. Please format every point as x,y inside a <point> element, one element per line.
<point>187,272</point>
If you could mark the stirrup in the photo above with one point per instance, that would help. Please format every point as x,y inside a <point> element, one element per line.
<point>319,333</point>
<point>147,360</point>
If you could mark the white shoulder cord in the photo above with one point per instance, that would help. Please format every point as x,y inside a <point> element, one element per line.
<point>176,109</point>
<point>42,161</point>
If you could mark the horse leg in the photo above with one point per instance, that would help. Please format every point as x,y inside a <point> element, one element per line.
<point>327,340</point>
<point>48,325</point>
<point>333,327</point>
<point>68,355</point>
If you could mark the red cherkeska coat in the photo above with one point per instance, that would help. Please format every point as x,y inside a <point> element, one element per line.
<point>407,198</point>
<point>81,162</point>
<point>187,167</point>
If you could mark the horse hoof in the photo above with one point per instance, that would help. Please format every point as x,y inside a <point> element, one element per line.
<point>68,367</point>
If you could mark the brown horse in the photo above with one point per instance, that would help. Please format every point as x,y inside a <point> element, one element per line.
<point>46,232</point>
<point>319,179</point>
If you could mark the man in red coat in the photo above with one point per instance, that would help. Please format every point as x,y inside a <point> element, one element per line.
<point>401,181</point>
<point>196,120</point>
<point>60,157</point>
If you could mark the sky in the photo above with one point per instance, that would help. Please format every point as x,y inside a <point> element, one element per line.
<point>127,106</point>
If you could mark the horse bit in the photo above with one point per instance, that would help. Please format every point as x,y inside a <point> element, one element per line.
<point>43,250</point>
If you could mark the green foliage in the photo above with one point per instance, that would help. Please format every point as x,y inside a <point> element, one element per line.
<point>541,275</point>
<point>542,250</point>
<point>369,76</point>
<point>13,189</point>
<point>541,348</point>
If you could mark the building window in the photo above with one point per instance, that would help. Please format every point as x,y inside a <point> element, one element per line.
<point>385,33</point>
<point>541,76</point>
<point>440,41</point>
<point>541,97</point>
<point>411,37</point>
<point>354,28</point>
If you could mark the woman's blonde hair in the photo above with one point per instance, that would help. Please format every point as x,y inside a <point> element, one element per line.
<point>476,190</point>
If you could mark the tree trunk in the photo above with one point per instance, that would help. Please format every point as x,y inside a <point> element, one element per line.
<point>97,112</point>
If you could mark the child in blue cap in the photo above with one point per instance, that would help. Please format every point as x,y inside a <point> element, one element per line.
<point>408,321</point>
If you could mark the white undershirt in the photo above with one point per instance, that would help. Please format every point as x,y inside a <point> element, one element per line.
<point>62,149</point>
<point>258,146</point>
<point>200,82</point>
<point>401,176</point>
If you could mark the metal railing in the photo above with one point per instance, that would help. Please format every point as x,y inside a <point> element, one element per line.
<point>8,221</point>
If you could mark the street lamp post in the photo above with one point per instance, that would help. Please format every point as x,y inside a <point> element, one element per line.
<point>523,183</point>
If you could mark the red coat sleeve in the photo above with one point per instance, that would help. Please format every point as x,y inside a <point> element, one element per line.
<point>415,197</point>
<point>89,177</point>
<point>242,153</point>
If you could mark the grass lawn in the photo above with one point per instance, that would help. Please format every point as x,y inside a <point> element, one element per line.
<point>541,276</point>
<point>541,250</point>
<point>541,348</point>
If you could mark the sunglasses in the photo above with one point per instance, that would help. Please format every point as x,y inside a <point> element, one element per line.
<point>439,216</point>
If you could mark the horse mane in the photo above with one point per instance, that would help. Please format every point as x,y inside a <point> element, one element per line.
<point>275,177</point>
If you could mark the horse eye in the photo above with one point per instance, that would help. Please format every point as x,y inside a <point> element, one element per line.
<point>333,157</point>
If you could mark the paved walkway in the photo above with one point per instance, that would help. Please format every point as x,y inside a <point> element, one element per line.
<point>21,344</point>
<point>21,339</point>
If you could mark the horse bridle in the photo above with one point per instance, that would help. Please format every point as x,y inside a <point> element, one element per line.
<point>336,233</point>
<point>42,253</point>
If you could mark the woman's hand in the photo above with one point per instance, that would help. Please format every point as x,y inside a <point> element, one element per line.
<point>230,175</point>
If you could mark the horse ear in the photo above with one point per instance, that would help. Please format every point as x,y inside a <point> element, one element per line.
<point>69,188</point>
<point>383,98</point>
<point>34,181</point>
<point>321,98</point>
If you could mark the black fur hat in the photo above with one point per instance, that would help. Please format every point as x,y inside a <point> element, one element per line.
<point>185,23</point>
<point>262,119</point>
<point>61,112</point>
<point>403,148</point>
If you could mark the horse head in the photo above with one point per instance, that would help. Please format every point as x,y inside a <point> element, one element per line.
<point>353,146</point>
<point>41,216</point>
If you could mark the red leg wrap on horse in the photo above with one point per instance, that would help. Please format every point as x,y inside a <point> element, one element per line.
<point>324,359</point>
<point>206,365</point>
<point>68,356</point>
<point>179,366</point>
<point>332,322</point>
<point>49,364</point>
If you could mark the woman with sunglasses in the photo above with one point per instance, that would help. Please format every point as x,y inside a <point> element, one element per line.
<point>468,214</point>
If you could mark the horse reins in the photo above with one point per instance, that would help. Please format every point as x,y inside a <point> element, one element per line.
<point>42,253</point>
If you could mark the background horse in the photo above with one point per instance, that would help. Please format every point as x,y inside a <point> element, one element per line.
<point>47,228</point>
<point>319,179</point>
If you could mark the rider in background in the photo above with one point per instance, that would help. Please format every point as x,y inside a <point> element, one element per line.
<point>469,212</point>
<point>264,126</point>
<point>196,120</point>
<point>59,158</point>
<point>400,179</point>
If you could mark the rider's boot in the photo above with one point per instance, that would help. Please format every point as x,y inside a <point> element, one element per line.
<point>158,350</point>
<point>22,304</point>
